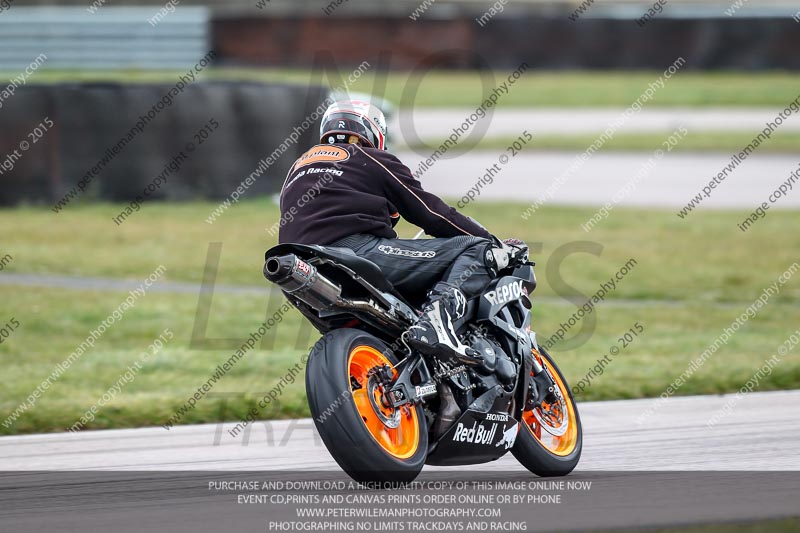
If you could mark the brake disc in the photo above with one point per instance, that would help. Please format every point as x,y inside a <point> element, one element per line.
<point>392,421</point>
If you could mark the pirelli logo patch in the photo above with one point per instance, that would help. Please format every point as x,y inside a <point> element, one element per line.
<point>322,154</point>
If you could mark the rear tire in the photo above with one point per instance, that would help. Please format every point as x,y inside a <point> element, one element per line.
<point>365,446</point>
<point>548,456</point>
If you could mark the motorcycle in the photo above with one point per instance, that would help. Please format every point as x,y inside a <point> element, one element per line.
<point>384,410</point>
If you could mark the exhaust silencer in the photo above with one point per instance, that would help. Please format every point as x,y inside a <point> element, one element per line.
<point>302,280</point>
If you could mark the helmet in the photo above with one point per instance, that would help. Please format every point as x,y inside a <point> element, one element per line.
<point>350,121</point>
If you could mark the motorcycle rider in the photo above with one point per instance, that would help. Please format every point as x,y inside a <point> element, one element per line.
<point>348,191</point>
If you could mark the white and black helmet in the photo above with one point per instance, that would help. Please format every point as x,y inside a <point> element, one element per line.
<point>349,121</point>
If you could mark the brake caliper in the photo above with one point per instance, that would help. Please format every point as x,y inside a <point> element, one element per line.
<point>383,375</point>
<point>542,388</point>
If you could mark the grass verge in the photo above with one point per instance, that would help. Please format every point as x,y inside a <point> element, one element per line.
<point>705,259</point>
<point>535,88</point>
<point>690,281</point>
<point>53,323</point>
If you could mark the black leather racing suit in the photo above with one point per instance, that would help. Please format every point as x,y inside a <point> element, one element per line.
<point>351,196</point>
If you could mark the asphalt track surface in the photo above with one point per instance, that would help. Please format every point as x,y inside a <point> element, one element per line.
<point>759,433</point>
<point>438,124</point>
<point>650,463</point>
<point>668,182</point>
<point>672,182</point>
<point>640,460</point>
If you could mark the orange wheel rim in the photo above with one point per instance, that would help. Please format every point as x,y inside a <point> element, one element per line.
<point>395,430</point>
<point>555,425</point>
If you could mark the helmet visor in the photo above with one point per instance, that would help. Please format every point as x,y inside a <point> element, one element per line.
<point>349,123</point>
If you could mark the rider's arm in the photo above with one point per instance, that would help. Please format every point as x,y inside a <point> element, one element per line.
<point>418,206</point>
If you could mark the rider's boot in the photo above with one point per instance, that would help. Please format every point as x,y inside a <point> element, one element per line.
<point>434,333</point>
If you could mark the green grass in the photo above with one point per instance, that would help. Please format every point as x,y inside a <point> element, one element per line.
<point>692,280</point>
<point>695,141</point>
<point>535,88</point>
<point>705,258</point>
<point>53,322</point>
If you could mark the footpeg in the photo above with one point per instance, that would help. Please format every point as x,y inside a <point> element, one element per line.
<point>470,357</point>
<point>445,353</point>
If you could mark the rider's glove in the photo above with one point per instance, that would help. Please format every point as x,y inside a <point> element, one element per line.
<point>510,250</point>
<point>519,249</point>
<point>514,242</point>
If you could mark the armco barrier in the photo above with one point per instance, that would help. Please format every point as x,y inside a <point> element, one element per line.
<point>89,119</point>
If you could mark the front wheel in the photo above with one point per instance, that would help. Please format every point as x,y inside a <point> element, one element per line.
<point>551,437</point>
<point>368,440</point>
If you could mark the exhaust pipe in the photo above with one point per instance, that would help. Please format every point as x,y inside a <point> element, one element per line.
<point>298,278</point>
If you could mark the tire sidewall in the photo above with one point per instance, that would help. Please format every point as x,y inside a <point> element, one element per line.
<point>342,430</point>
<point>535,457</point>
